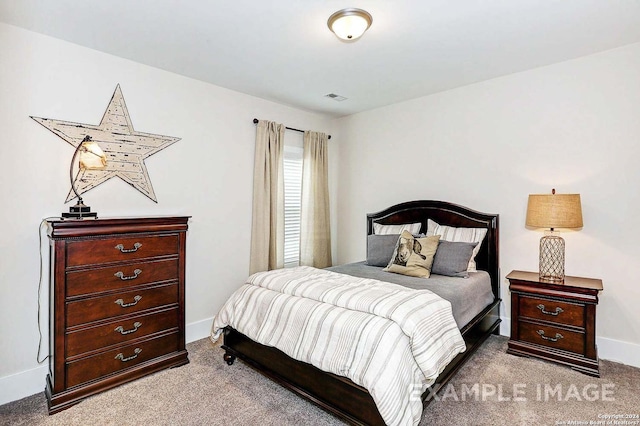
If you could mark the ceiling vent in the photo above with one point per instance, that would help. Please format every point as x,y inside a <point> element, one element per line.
<point>335,97</point>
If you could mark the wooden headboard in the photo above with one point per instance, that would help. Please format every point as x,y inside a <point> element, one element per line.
<point>445,213</point>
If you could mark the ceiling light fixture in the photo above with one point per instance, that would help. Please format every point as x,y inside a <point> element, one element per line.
<point>349,24</point>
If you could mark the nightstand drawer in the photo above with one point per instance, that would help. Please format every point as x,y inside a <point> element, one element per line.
<point>94,367</point>
<point>122,276</point>
<point>552,310</point>
<point>118,249</point>
<point>121,331</point>
<point>124,303</point>
<point>552,337</point>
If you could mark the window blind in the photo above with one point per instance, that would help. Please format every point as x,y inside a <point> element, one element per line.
<point>292,204</point>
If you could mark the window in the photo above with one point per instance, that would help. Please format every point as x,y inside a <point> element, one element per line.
<point>292,200</point>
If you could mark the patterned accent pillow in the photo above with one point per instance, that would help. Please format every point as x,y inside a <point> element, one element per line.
<point>464,235</point>
<point>380,229</point>
<point>413,256</point>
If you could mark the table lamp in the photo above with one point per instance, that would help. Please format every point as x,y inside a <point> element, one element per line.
<point>90,157</point>
<point>553,211</point>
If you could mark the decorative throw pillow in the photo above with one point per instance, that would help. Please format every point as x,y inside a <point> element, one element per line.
<point>380,229</point>
<point>452,259</point>
<point>413,256</point>
<point>465,235</point>
<point>380,249</point>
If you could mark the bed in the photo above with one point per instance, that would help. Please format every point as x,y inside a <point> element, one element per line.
<point>338,394</point>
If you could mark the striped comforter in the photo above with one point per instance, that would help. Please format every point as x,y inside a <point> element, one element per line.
<point>392,340</point>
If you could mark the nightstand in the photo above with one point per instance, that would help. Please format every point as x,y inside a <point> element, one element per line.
<point>555,321</point>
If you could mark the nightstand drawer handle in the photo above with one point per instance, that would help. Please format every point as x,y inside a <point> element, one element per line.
<point>120,329</point>
<point>552,339</point>
<point>558,310</point>
<point>121,275</point>
<point>136,246</point>
<point>126,305</point>
<point>121,357</point>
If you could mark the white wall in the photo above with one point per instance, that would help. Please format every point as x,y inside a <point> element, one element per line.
<point>208,175</point>
<point>573,126</point>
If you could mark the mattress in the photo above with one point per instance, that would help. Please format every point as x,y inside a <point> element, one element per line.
<point>468,296</point>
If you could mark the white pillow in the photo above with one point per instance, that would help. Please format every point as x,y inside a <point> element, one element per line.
<point>464,235</point>
<point>380,229</point>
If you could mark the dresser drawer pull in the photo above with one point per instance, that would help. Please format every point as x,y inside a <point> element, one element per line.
<point>552,339</point>
<point>121,357</point>
<point>136,246</point>
<point>120,329</point>
<point>126,305</point>
<point>121,275</point>
<point>558,310</point>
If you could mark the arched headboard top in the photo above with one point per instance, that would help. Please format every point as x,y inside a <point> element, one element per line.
<point>445,213</point>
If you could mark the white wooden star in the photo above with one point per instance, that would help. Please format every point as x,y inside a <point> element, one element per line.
<point>124,147</point>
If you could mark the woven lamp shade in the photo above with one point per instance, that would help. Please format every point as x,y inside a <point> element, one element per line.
<point>553,211</point>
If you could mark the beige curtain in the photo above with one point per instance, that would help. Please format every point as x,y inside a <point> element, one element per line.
<point>267,228</point>
<point>315,232</point>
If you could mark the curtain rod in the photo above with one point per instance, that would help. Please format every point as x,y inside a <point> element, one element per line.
<point>255,121</point>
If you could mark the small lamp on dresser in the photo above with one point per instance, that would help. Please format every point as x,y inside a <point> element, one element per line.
<point>90,157</point>
<point>553,211</point>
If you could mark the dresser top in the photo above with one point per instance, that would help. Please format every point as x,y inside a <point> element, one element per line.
<point>70,228</point>
<point>575,282</point>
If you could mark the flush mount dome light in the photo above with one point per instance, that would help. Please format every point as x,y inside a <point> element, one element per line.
<point>349,24</point>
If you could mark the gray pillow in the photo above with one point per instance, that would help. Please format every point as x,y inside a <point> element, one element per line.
<point>452,258</point>
<point>380,248</point>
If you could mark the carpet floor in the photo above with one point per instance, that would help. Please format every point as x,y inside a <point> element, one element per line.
<point>493,388</point>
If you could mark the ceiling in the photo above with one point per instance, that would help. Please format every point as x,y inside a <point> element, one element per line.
<point>282,50</point>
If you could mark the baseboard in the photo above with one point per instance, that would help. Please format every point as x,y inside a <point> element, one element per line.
<point>618,351</point>
<point>505,327</point>
<point>609,349</point>
<point>198,330</point>
<point>30,382</point>
<point>23,384</point>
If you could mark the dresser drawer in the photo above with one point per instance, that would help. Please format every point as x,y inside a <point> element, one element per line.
<point>81,282</point>
<point>123,303</point>
<point>94,367</point>
<point>121,331</point>
<point>118,249</point>
<point>552,310</point>
<point>552,337</point>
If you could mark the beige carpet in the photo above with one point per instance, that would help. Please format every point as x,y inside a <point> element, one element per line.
<point>208,392</point>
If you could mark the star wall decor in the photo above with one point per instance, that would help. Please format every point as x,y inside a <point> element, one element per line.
<point>124,147</point>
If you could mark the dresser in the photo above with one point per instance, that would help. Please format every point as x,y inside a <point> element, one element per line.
<point>555,321</point>
<point>116,303</point>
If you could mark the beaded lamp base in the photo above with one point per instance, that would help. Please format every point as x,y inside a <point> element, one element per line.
<point>552,258</point>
